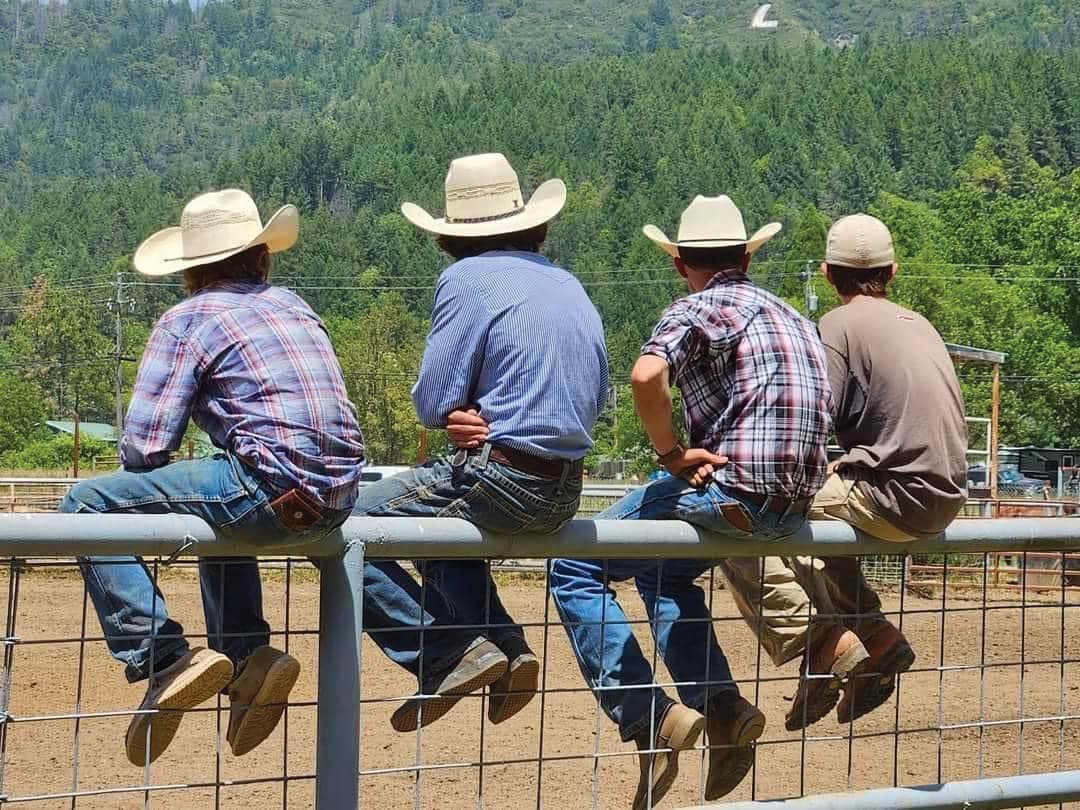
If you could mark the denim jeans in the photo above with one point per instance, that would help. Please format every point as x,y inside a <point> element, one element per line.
<point>600,635</point>
<point>130,606</point>
<point>491,495</point>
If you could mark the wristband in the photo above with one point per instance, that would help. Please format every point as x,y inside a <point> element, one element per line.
<point>662,457</point>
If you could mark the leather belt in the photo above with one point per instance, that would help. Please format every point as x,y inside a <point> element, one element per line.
<point>775,503</point>
<point>535,465</point>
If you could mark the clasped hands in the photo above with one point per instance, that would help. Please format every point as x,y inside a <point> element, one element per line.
<point>467,430</point>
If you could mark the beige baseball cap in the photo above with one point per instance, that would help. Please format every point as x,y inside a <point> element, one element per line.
<point>861,242</point>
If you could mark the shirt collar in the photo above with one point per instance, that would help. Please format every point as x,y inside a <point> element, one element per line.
<point>726,277</point>
<point>235,285</point>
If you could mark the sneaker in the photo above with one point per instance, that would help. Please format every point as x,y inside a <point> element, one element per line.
<point>192,680</point>
<point>480,666</point>
<point>258,696</point>
<point>518,685</point>
<point>678,730</point>
<point>732,727</point>
<point>838,656</point>
<point>890,654</point>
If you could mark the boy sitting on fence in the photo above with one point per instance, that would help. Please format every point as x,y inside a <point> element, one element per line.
<point>899,416</point>
<point>252,365</point>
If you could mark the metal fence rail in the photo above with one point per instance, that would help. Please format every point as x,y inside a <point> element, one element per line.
<point>342,698</point>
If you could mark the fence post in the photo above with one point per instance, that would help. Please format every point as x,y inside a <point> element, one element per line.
<point>337,768</point>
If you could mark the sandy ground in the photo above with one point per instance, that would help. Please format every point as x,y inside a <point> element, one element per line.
<point>45,676</point>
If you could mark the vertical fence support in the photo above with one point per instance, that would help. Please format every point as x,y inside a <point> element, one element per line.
<point>337,769</point>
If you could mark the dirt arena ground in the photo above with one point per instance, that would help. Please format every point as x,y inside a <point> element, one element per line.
<point>44,678</point>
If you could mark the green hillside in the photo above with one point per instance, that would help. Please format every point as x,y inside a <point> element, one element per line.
<point>114,112</point>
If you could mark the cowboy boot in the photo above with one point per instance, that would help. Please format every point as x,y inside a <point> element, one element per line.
<point>890,654</point>
<point>836,657</point>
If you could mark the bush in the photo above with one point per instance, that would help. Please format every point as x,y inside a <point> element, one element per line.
<point>54,453</point>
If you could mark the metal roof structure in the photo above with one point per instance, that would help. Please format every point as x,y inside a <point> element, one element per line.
<point>969,354</point>
<point>92,430</point>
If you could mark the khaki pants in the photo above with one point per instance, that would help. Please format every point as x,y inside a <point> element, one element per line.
<point>787,601</point>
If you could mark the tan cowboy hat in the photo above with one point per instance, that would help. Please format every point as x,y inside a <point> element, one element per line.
<point>711,222</point>
<point>213,227</point>
<point>483,198</point>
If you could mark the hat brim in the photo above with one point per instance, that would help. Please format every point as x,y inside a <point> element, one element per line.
<point>162,254</point>
<point>544,205</point>
<point>753,244</point>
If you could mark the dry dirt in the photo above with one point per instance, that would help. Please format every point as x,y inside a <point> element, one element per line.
<point>39,755</point>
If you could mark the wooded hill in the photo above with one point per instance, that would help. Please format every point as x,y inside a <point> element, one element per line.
<point>113,113</point>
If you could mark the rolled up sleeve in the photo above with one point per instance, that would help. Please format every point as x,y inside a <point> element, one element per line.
<point>453,354</point>
<point>676,339</point>
<point>165,389</point>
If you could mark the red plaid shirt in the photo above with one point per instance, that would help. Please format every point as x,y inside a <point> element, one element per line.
<point>251,365</point>
<point>754,383</point>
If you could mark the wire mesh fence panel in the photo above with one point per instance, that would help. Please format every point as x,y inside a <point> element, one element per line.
<point>994,691</point>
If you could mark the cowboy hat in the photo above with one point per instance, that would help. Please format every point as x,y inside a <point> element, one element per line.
<point>712,222</point>
<point>483,198</point>
<point>213,227</point>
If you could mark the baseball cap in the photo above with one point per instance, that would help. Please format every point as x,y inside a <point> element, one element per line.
<point>860,242</point>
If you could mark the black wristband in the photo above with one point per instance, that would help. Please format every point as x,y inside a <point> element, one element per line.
<point>662,457</point>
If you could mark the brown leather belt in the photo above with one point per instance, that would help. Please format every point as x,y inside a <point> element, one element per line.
<point>774,503</point>
<point>535,465</point>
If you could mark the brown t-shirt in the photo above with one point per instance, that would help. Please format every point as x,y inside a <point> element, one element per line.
<point>897,412</point>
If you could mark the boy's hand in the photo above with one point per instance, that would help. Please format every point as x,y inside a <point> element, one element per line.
<point>696,466</point>
<point>466,428</point>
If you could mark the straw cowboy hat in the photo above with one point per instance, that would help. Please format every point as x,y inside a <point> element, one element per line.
<point>712,222</point>
<point>483,198</point>
<point>213,227</point>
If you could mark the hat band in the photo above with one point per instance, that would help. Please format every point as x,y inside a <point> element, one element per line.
<point>478,220</point>
<point>735,240</point>
<point>201,255</point>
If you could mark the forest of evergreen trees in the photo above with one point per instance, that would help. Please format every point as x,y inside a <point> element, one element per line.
<point>114,112</point>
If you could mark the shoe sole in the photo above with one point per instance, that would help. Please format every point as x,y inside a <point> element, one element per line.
<point>683,738</point>
<point>820,694</point>
<point>515,689</point>
<point>165,721</point>
<point>417,712</point>
<point>879,688</point>
<point>720,783</point>
<point>263,714</point>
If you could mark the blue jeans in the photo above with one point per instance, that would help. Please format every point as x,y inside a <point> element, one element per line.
<point>491,495</point>
<point>131,608</point>
<point>602,639</point>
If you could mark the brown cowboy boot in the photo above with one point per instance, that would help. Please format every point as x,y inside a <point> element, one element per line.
<point>890,654</point>
<point>732,727</point>
<point>678,730</point>
<point>837,656</point>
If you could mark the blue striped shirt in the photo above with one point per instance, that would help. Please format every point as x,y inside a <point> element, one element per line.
<point>518,337</point>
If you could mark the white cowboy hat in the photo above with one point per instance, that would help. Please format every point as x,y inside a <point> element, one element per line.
<point>712,222</point>
<point>213,227</point>
<point>483,198</point>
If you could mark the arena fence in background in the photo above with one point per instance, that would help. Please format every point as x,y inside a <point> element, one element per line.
<point>57,756</point>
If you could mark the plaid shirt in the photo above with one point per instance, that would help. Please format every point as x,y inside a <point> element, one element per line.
<point>754,382</point>
<point>252,365</point>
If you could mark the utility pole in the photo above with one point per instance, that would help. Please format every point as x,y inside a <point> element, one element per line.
<point>117,304</point>
<point>811,296</point>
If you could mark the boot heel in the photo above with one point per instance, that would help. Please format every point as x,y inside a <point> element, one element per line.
<point>686,731</point>
<point>851,662</point>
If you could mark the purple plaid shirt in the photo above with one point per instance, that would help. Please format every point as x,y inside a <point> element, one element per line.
<point>754,382</point>
<point>252,365</point>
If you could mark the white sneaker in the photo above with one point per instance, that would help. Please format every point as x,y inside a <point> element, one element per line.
<point>192,680</point>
